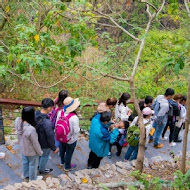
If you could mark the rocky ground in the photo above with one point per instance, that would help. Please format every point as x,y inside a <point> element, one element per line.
<point>106,175</point>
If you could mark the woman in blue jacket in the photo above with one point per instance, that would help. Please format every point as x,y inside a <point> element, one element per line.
<point>99,138</point>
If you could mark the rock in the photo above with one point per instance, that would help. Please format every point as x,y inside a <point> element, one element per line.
<point>81,173</point>
<point>121,171</point>
<point>156,159</point>
<point>95,173</point>
<point>113,167</point>
<point>25,184</point>
<point>119,164</point>
<point>10,187</point>
<point>104,167</point>
<point>126,165</point>
<point>78,180</point>
<point>109,174</point>
<point>18,185</point>
<point>146,163</point>
<point>64,179</point>
<point>71,176</point>
<point>56,181</point>
<point>133,163</point>
<point>49,182</point>
<point>42,184</point>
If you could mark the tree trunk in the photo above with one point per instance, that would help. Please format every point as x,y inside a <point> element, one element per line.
<point>142,140</point>
<point>187,122</point>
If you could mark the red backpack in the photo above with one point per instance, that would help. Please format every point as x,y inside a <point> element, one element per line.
<point>62,128</point>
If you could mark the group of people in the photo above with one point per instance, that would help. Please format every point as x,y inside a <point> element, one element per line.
<point>56,128</point>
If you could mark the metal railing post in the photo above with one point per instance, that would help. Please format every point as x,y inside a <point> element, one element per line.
<point>2,138</point>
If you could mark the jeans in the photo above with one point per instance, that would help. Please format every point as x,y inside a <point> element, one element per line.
<point>66,153</point>
<point>44,159</point>
<point>29,166</point>
<point>159,129</point>
<point>132,152</point>
<point>94,160</point>
<point>119,148</point>
<point>172,129</point>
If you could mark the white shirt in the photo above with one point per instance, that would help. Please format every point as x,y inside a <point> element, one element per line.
<point>121,112</point>
<point>74,127</point>
<point>148,127</point>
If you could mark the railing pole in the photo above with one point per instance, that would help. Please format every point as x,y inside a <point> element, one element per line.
<point>2,138</point>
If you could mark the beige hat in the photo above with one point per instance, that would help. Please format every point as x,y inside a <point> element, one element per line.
<point>70,104</point>
<point>102,107</point>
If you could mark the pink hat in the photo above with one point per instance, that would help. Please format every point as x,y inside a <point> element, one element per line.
<point>147,111</point>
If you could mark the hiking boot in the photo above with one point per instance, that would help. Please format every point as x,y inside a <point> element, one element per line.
<point>158,146</point>
<point>150,141</point>
<point>73,166</point>
<point>46,171</point>
<point>164,138</point>
<point>172,144</point>
<point>109,155</point>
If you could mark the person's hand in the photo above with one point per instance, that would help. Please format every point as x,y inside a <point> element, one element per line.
<point>56,151</point>
<point>113,121</point>
<point>129,112</point>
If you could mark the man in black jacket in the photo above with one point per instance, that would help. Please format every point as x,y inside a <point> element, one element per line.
<point>45,132</point>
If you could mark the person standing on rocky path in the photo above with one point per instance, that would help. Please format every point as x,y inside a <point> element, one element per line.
<point>161,109</point>
<point>44,128</point>
<point>29,144</point>
<point>99,138</point>
<point>68,115</point>
<point>122,111</point>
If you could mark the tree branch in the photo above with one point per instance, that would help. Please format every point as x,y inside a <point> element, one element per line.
<point>150,5</point>
<point>160,9</point>
<point>108,75</point>
<point>187,7</point>
<point>113,21</point>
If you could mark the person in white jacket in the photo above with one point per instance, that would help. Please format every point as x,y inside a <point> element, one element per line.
<point>180,120</point>
<point>67,149</point>
<point>122,111</point>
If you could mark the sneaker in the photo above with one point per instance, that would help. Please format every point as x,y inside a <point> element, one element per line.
<point>24,177</point>
<point>158,146</point>
<point>47,171</point>
<point>150,141</point>
<point>39,177</point>
<point>2,155</point>
<point>89,166</point>
<point>73,166</point>
<point>109,155</point>
<point>62,164</point>
<point>172,144</point>
<point>164,138</point>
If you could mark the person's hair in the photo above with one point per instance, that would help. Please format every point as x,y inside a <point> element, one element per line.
<point>111,101</point>
<point>126,123</point>
<point>169,92</point>
<point>61,97</point>
<point>148,100</point>
<point>28,115</point>
<point>144,116</point>
<point>123,99</point>
<point>47,102</point>
<point>177,97</point>
<point>183,98</point>
<point>105,116</point>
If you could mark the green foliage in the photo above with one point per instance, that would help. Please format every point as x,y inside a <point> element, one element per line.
<point>181,181</point>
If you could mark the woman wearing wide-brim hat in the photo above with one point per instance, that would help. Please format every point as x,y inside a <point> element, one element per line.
<point>67,149</point>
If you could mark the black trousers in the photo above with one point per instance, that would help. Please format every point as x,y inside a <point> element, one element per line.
<point>172,129</point>
<point>94,160</point>
<point>119,148</point>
